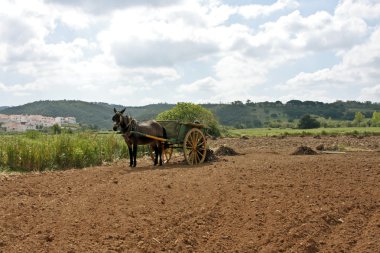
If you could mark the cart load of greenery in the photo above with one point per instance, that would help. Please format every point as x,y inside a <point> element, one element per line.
<point>190,113</point>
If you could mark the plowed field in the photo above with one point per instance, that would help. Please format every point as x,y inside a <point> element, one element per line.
<point>263,200</point>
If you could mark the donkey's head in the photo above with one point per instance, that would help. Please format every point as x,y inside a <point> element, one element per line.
<point>118,118</point>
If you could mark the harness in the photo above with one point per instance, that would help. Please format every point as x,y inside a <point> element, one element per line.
<point>131,126</point>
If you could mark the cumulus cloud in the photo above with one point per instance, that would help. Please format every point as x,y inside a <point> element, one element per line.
<point>3,87</point>
<point>370,93</point>
<point>101,7</point>
<point>357,65</point>
<point>159,52</point>
<point>365,9</point>
<point>256,10</point>
<point>14,30</point>
<point>205,85</point>
<point>234,76</point>
<point>75,19</point>
<point>357,70</point>
<point>320,31</point>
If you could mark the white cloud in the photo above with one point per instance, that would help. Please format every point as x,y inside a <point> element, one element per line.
<point>239,72</point>
<point>357,64</point>
<point>159,52</point>
<point>74,19</point>
<point>313,33</point>
<point>255,10</point>
<point>205,85</point>
<point>102,7</point>
<point>15,31</point>
<point>358,70</point>
<point>370,94</point>
<point>364,9</point>
<point>367,54</point>
<point>145,37</point>
<point>3,87</point>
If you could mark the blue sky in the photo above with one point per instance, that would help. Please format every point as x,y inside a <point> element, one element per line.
<point>140,52</point>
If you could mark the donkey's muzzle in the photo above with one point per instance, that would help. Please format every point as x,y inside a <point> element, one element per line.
<point>115,128</point>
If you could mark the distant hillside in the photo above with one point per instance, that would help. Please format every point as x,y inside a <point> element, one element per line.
<point>3,107</point>
<point>250,114</point>
<point>236,114</point>
<point>96,115</point>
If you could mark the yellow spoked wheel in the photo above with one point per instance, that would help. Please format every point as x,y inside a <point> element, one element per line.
<point>194,147</point>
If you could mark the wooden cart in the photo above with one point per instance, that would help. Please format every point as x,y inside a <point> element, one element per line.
<point>190,137</point>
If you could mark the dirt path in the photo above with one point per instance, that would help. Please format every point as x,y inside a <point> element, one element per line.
<point>264,200</point>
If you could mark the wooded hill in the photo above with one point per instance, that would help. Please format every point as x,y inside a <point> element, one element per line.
<point>236,114</point>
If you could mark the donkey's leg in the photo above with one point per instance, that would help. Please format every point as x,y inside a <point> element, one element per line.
<point>160,149</point>
<point>155,154</point>
<point>130,155</point>
<point>134,154</point>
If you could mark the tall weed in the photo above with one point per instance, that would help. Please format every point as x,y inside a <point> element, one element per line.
<point>39,152</point>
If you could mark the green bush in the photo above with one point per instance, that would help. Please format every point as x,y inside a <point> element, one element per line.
<point>307,122</point>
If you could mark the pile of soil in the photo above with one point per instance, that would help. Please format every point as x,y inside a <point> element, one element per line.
<point>225,151</point>
<point>210,156</point>
<point>322,147</point>
<point>304,150</point>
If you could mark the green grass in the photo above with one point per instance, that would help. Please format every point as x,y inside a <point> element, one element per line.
<point>298,132</point>
<point>34,151</point>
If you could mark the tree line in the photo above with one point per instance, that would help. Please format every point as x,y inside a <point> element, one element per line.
<point>237,114</point>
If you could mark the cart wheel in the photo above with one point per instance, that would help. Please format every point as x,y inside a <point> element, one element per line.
<point>166,153</point>
<point>194,146</point>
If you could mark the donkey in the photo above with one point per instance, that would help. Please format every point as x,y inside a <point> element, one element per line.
<point>151,127</point>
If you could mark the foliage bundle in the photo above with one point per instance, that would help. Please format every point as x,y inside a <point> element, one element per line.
<point>189,112</point>
<point>35,151</point>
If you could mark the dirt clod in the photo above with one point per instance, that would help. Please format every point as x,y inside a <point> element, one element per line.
<point>311,247</point>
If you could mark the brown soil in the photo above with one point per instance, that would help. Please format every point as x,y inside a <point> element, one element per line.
<point>264,200</point>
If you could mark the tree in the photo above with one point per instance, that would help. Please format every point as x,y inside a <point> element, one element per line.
<point>294,103</point>
<point>375,120</point>
<point>307,122</point>
<point>359,117</point>
<point>189,112</point>
<point>249,102</point>
<point>238,103</point>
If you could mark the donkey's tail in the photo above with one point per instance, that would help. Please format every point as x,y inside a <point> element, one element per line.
<point>165,136</point>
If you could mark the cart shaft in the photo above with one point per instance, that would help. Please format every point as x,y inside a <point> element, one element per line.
<point>149,136</point>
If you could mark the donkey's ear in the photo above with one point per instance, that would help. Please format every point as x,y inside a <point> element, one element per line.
<point>114,109</point>
<point>122,111</point>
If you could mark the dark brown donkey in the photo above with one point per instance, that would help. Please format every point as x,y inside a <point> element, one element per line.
<point>151,127</point>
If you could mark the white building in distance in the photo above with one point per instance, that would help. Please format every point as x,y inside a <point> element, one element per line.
<point>21,123</point>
